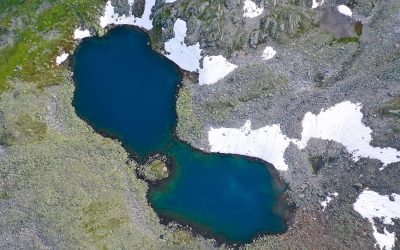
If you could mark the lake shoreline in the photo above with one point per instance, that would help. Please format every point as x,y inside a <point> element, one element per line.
<point>135,157</point>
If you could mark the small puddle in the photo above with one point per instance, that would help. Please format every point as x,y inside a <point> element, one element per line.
<point>358,28</point>
<point>126,90</point>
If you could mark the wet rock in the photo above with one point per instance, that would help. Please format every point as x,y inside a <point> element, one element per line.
<point>391,197</point>
<point>357,186</point>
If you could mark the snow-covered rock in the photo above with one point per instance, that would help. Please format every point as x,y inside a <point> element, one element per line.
<point>342,123</point>
<point>371,205</point>
<point>214,69</point>
<point>186,57</point>
<point>81,33</point>
<point>61,58</point>
<point>267,143</point>
<point>110,17</point>
<point>343,9</point>
<point>251,10</point>
<point>316,4</point>
<point>329,198</point>
<point>268,53</point>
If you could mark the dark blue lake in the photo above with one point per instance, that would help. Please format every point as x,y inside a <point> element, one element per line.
<point>126,90</point>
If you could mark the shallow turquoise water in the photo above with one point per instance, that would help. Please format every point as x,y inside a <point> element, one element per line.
<point>126,90</point>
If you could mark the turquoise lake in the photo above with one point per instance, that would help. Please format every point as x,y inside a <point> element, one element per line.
<point>127,91</point>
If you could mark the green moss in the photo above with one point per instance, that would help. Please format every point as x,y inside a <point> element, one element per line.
<point>156,37</point>
<point>159,168</point>
<point>267,84</point>
<point>182,237</point>
<point>154,170</point>
<point>75,186</point>
<point>392,107</point>
<point>354,39</point>
<point>189,124</point>
<point>220,109</point>
<point>5,196</point>
<point>32,57</point>
<point>103,217</point>
<point>25,129</point>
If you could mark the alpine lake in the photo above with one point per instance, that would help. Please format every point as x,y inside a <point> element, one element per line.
<point>126,90</point>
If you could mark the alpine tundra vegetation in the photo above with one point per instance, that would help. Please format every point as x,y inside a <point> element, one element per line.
<point>308,89</point>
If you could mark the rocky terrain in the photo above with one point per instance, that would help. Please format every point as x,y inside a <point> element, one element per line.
<point>64,186</point>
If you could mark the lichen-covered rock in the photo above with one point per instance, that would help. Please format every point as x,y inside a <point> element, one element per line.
<point>214,24</point>
<point>253,40</point>
<point>285,21</point>
<point>138,7</point>
<point>121,7</point>
<point>24,129</point>
<point>182,237</point>
<point>231,4</point>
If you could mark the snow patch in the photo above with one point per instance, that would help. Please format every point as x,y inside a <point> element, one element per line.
<point>267,143</point>
<point>80,34</point>
<point>251,10</point>
<point>316,4</point>
<point>268,53</point>
<point>61,58</point>
<point>343,9</point>
<point>110,17</point>
<point>186,57</point>
<point>329,198</point>
<point>371,205</point>
<point>214,69</point>
<point>342,123</point>
<point>170,1</point>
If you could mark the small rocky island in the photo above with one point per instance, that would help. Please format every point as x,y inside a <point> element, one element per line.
<point>310,86</point>
<point>155,170</point>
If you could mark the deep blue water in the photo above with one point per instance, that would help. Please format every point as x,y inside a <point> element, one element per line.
<point>126,90</point>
